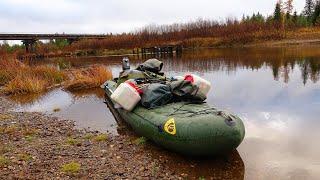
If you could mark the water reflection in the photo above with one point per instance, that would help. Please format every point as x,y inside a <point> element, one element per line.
<point>280,60</point>
<point>275,90</point>
<point>86,108</point>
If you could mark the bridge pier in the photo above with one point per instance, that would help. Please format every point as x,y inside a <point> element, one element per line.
<point>30,45</point>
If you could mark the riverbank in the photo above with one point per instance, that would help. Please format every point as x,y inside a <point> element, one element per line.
<point>36,146</point>
<point>194,44</point>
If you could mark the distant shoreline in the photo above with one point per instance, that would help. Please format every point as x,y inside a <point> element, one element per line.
<point>126,52</point>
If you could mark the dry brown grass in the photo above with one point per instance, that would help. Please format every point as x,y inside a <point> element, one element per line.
<point>18,78</point>
<point>91,77</point>
<point>304,33</point>
<point>25,84</point>
<point>9,69</point>
<point>50,74</point>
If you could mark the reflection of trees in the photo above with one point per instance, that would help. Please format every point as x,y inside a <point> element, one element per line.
<point>281,61</point>
<point>310,68</point>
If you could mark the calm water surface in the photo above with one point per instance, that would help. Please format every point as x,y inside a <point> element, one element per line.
<point>276,91</point>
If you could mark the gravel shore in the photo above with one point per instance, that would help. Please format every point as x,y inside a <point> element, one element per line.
<point>36,146</point>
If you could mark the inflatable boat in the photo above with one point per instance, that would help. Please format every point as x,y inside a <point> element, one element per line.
<point>195,129</point>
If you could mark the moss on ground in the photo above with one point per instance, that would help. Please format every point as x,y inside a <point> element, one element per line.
<point>71,168</point>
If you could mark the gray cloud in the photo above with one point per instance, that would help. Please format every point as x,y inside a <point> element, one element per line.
<point>98,16</point>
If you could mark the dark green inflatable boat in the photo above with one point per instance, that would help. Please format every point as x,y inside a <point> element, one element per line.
<point>190,129</point>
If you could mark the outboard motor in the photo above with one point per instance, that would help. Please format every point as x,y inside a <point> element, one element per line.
<point>125,64</point>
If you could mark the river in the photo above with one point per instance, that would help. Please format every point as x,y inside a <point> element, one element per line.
<point>276,91</point>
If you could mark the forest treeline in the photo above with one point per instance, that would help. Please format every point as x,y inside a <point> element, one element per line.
<point>283,23</point>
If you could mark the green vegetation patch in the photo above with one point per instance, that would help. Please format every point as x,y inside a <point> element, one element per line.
<point>4,161</point>
<point>29,138</point>
<point>71,168</point>
<point>88,136</point>
<point>25,157</point>
<point>5,149</point>
<point>100,137</point>
<point>140,141</point>
<point>73,141</point>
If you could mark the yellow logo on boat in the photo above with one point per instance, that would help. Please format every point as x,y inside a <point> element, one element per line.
<point>170,127</point>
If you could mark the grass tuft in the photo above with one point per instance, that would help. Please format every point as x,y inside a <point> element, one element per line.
<point>18,78</point>
<point>50,74</point>
<point>9,68</point>
<point>88,136</point>
<point>71,168</point>
<point>23,84</point>
<point>100,138</point>
<point>91,77</point>
<point>73,141</point>
<point>29,138</point>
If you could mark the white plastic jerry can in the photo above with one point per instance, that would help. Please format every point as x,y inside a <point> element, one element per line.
<point>204,85</point>
<point>126,96</point>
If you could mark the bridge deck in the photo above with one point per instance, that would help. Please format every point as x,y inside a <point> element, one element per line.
<point>50,36</point>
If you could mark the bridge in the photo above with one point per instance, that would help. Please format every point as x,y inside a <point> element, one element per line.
<point>29,40</point>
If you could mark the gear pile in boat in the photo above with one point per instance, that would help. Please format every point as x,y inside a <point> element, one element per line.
<point>149,86</point>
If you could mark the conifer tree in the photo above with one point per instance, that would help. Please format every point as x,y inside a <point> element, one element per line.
<point>308,9</point>
<point>295,18</point>
<point>316,14</point>
<point>277,13</point>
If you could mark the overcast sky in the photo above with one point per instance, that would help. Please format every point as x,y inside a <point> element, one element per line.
<point>103,16</point>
